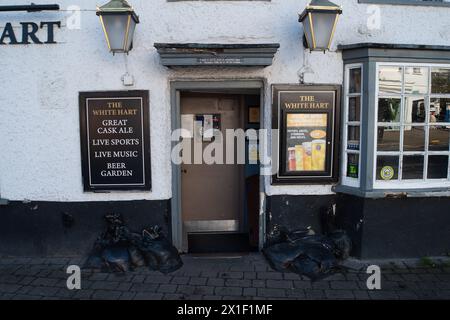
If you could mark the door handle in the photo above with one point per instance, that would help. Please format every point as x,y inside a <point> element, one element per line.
<point>183,171</point>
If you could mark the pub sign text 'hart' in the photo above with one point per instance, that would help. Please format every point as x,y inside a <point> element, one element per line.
<point>29,33</point>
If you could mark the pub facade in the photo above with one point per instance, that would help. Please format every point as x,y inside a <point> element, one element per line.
<point>224,121</point>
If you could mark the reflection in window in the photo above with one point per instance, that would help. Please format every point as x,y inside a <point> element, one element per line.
<point>355,80</point>
<point>413,138</point>
<point>439,138</point>
<point>440,80</point>
<point>390,80</point>
<point>414,110</point>
<point>354,109</point>
<point>389,110</point>
<point>437,167</point>
<point>387,168</point>
<point>413,126</point>
<point>388,138</point>
<point>439,110</point>
<point>412,167</point>
<point>416,80</point>
<point>353,138</point>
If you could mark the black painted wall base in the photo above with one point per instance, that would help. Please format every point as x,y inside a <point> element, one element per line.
<point>396,228</point>
<point>71,228</point>
<point>297,212</point>
<point>379,228</point>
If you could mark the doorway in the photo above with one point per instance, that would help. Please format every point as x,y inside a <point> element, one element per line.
<point>216,207</point>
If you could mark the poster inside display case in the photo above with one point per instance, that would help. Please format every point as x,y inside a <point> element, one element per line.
<point>307,120</point>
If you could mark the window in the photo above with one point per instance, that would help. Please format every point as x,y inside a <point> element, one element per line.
<point>352,124</point>
<point>413,126</point>
<point>443,3</point>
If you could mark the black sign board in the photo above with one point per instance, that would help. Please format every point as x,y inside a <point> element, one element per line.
<point>308,121</point>
<point>115,140</point>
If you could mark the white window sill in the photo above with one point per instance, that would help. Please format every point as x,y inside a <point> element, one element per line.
<point>394,193</point>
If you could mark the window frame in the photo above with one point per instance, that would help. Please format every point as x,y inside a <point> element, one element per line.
<point>345,180</point>
<point>423,183</point>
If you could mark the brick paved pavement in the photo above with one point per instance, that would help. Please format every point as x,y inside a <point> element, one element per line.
<point>246,277</point>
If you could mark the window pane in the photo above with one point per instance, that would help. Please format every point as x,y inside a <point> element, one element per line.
<point>352,165</point>
<point>416,80</point>
<point>390,80</point>
<point>387,168</point>
<point>388,139</point>
<point>389,110</point>
<point>437,167</point>
<point>412,167</point>
<point>354,107</point>
<point>439,138</point>
<point>355,80</point>
<point>414,111</point>
<point>414,138</point>
<point>440,80</point>
<point>439,110</point>
<point>353,138</point>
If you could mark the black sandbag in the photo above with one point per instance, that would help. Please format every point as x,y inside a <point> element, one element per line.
<point>277,234</point>
<point>136,258</point>
<point>297,235</point>
<point>281,255</point>
<point>116,258</point>
<point>342,244</point>
<point>316,262</point>
<point>167,256</point>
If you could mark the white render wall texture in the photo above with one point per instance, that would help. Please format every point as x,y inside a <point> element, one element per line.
<point>39,119</point>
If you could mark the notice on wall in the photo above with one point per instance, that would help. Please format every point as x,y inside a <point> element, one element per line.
<point>115,140</point>
<point>306,119</point>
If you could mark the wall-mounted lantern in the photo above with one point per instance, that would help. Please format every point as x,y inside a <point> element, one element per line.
<point>319,21</point>
<point>119,22</point>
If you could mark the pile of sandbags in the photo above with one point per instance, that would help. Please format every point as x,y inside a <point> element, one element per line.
<point>306,253</point>
<point>120,250</point>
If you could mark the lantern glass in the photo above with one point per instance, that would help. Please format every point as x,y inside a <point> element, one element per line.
<point>119,30</point>
<point>323,26</point>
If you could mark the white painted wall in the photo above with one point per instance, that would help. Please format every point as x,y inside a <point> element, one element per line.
<point>39,120</point>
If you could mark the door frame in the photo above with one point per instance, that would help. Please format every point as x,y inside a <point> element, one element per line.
<point>176,87</point>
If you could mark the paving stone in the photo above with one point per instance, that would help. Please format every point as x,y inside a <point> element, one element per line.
<point>158,279</point>
<point>179,280</point>
<point>48,282</point>
<point>44,291</point>
<point>280,284</point>
<point>297,293</point>
<point>361,294</point>
<point>196,281</point>
<point>186,289</point>
<point>238,283</point>
<point>203,290</point>
<point>302,284</point>
<point>83,294</point>
<point>259,283</point>
<point>228,291</point>
<point>174,296</point>
<point>144,287</point>
<point>216,282</point>
<point>138,279</point>
<point>9,288</point>
<point>167,288</point>
<point>270,275</point>
<point>124,286</point>
<point>231,275</point>
<point>315,294</point>
<point>275,293</point>
<point>339,294</point>
<point>291,276</point>
<point>26,297</point>
<point>349,285</point>
<point>383,295</point>
<point>106,295</point>
<point>251,292</point>
<point>127,295</point>
<point>250,275</point>
<point>104,285</point>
